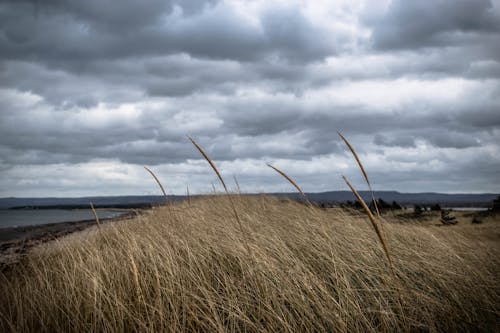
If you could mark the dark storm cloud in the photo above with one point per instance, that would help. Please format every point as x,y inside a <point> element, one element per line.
<point>466,61</point>
<point>130,15</point>
<point>415,24</point>
<point>440,38</point>
<point>239,129</point>
<point>153,47</point>
<point>453,140</point>
<point>123,80</point>
<point>433,136</point>
<point>394,141</point>
<point>69,35</point>
<point>487,116</point>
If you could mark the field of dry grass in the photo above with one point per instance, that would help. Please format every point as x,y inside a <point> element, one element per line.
<point>287,267</point>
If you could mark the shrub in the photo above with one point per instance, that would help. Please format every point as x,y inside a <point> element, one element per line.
<point>447,218</point>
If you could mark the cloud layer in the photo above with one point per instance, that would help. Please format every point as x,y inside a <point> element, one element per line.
<point>91,91</point>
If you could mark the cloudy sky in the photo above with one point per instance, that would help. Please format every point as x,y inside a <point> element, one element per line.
<point>90,91</point>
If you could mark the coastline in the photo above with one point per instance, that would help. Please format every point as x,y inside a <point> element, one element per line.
<point>16,241</point>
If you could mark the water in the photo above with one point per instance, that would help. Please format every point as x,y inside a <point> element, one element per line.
<point>465,209</point>
<point>25,217</point>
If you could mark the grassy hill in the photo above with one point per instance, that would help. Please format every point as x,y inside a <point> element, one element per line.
<point>284,267</point>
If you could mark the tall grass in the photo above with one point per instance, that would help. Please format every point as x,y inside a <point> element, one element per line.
<point>235,211</point>
<point>189,271</point>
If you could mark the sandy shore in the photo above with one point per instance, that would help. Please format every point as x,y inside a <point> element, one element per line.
<point>16,241</point>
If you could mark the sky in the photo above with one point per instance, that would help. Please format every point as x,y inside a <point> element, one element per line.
<point>91,91</point>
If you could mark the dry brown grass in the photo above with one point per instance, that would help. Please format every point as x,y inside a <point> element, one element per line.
<point>186,269</point>
<point>243,231</point>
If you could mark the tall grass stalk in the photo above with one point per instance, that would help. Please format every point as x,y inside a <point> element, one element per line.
<point>282,173</point>
<point>96,217</point>
<point>372,220</point>
<point>157,181</point>
<point>188,195</point>
<point>244,234</point>
<point>353,151</point>
<point>238,189</point>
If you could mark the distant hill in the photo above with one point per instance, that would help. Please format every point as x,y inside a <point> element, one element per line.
<point>445,200</point>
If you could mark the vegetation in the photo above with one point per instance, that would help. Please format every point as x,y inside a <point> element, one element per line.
<point>385,206</point>
<point>418,210</point>
<point>496,205</point>
<point>351,204</point>
<point>447,218</point>
<point>185,268</point>
<point>435,208</point>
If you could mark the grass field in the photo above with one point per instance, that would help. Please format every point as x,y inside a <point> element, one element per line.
<point>287,267</point>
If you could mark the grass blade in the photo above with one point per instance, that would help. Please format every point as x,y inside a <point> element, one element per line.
<point>135,274</point>
<point>95,215</point>
<point>372,220</point>
<point>188,196</point>
<point>237,184</point>
<point>158,181</point>
<point>210,162</point>
<point>291,182</point>
<point>351,148</point>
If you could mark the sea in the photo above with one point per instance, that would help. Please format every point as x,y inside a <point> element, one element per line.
<point>466,209</point>
<point>29,217</point>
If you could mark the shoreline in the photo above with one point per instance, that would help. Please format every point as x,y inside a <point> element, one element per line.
<point>16,241</point>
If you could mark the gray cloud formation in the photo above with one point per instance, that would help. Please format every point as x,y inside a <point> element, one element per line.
<point>87,83</point>
<point>69,35</point>
<point>415,24</point>
<point>464,33</point>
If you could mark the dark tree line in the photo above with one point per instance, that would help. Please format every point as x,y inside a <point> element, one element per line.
<point>381,204</point>
<point>496,205</point>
